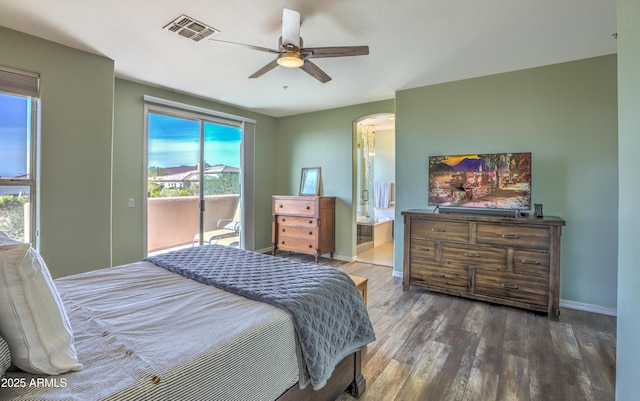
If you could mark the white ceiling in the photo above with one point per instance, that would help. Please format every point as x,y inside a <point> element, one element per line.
<point>412,43</point>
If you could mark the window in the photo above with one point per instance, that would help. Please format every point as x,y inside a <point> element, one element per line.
<point>18,136</point>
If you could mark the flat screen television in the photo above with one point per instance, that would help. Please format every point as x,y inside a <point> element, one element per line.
<point>481,181</point>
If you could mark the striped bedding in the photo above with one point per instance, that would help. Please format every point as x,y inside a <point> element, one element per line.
<point>328,312</point>
<point>140,335</point>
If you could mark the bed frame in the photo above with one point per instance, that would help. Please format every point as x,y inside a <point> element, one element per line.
<point>346,377</point>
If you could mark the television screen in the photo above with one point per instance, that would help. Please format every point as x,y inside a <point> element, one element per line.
<point>490,181</point>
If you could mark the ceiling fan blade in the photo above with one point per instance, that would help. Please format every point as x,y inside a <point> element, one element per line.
<point>315,71</point>
<point>262,49</point>
<point>337,51</point>
<point>265,69</point>
<point>290,27</point>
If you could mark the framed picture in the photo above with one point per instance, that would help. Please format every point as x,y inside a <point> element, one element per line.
<point>310,181</point>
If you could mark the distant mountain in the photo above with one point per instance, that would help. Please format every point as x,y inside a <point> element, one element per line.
<point>182,169</point>
<point>471,165</point>
<point>440,168</point>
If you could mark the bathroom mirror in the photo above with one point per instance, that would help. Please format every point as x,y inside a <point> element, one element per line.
<point>310,181</point>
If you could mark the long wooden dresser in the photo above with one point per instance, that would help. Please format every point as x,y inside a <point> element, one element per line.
<point>304,224</point>
<point>506,260</point>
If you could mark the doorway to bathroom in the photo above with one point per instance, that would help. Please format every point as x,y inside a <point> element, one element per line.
<point>374,165</point>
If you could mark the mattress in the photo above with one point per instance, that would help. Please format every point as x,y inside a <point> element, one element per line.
<point>143,332</point>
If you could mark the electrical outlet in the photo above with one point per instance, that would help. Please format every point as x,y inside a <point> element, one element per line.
<point>132,202</point>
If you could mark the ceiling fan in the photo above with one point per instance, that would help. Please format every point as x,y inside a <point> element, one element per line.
<point>292,54</point>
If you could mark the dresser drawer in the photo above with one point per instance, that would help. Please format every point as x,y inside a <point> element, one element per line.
<point>294,221</point>
<point>304,245</point>
<point>440,230</point>
<point>531,262</point>
<point>513,236</point>
<point>516,287</point>
<point>423,248</point>
<point>468,254</point>
<point>308,233</point>
<point>294,206</point>
<point>450,277</point>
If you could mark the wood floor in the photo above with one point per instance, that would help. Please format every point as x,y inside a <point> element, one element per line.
<point>437,347</point>
<point>379,255</point>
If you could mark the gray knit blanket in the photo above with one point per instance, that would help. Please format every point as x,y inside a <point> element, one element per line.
<point>329,315</point>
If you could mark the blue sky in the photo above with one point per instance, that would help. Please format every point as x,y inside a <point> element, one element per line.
<point>175,142</point>
<point>172,141</point>
<point>14,112</point>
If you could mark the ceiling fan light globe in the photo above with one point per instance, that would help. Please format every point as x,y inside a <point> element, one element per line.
<point>290,60</point>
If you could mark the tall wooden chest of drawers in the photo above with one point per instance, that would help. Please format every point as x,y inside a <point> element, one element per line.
<point>304,224</point>
<point>510,261</point>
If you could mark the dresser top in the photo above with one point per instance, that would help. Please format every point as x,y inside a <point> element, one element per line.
<point>310,197</point>
<point>529,219</point>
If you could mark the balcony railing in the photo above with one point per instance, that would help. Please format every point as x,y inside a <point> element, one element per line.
<point>173,222</point>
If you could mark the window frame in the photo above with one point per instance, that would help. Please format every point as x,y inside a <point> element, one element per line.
<point>26,84</point>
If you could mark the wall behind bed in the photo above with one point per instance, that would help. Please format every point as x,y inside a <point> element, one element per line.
<point>76,127</point>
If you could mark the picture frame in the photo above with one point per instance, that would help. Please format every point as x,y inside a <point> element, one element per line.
<point>310,181</point>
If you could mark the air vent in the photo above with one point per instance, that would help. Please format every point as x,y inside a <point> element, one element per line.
<point>190,28</point>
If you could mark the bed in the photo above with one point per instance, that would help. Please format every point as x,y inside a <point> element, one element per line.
<point>160,330</point>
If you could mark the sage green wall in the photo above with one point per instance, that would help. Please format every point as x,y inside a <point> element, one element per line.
<point>628,358</point>
<point>566,115</point>
<point>129,172</point>
<point>76,99</point>
<point>324,139</point>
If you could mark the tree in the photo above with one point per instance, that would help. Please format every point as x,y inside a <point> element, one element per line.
<point>12,215</point>
<point>222,184</point>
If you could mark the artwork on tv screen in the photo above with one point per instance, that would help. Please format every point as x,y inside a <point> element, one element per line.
<point>494,181</point>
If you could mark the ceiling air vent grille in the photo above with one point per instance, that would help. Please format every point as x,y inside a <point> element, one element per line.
<point>190,28</point>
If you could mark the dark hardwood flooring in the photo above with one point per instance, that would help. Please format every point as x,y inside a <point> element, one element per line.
<point>436,347</point>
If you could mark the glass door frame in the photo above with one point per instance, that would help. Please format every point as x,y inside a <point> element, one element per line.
<point>247,146</point>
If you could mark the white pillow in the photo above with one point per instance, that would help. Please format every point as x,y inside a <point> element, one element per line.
<point>5,356</point>
<point>32,318</point>
<point>5,239</point>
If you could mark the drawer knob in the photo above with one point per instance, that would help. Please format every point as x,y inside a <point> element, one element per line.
<point>437,275</point>
<point>283,220</point>
<point>282,242</point>
<point>308,207</point>
<point>310,221</point>
<point>510,236</point>
<point>438,230</point>
<point>281,206</point>
<point>530,262</point>
<point>472,255</point>
<point>511,287</point>
<point>310,246</point>
<point>283,230</point>
<point>310,232</point>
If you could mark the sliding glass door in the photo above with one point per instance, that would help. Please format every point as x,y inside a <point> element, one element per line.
<point>193,182</point>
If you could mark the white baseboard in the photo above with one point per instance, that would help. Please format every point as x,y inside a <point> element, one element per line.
<point>344,258</point>
<point>566,303</point>
<point>588,307</point>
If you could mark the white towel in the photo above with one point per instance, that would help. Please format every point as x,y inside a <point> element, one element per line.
<point>381,194</point>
